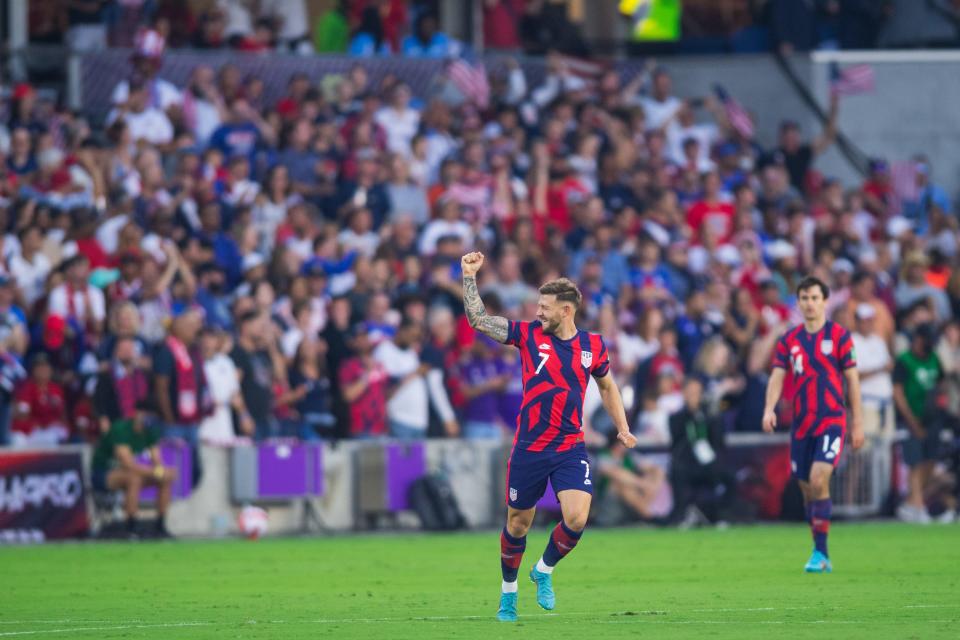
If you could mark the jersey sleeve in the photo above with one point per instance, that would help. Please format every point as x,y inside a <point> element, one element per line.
<point>781,355</point>
<point>517,332</point>
<point>601,361</point>
<point>847,353</point>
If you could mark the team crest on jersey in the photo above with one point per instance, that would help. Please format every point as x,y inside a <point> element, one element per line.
<point>586,358</point>
<point>826,347</point>
<point>513,494</point>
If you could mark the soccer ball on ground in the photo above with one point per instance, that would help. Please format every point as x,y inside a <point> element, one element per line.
<point>252,522</point>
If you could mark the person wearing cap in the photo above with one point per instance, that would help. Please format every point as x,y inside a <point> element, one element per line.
<point>116,466</point>
<point>913,286</point>
<point>363,383</point>
<point>915,378</point>
<point>875,365</point>
<point>39,408</point>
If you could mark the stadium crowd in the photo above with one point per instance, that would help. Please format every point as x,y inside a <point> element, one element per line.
<point>246,268</point>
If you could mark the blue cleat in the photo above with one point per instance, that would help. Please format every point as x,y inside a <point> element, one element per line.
<point>544,582</point>
<point>508,607</point>
<point>818,563</point>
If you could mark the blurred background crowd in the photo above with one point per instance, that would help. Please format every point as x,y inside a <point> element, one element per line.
<point>257,268</point>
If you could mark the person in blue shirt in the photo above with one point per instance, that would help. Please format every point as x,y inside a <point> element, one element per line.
<point>928,195</point>
<point>427,41</point>
<point>244,133</point>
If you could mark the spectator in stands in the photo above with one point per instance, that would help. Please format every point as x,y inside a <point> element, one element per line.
<point>223,380</point>
<point>116,466</point>
<point>369,38</point>
<point>255,356</point>
<point>180,387</point>
<point>427,41</point>
<point>913,287</point>
<point>915,377</point>
<point>482,378</point>
<point>696,445</point>
<point>408,404</point>
<point>363,381</point>
<point>875,366</point>
<point>797,155</point>
<point>39,408</point>
<point>309,385</point>
<point>122,383</point>
<point>290,19</point>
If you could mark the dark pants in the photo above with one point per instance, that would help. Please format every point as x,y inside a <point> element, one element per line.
<point>690,480</point>
<point>189,434</point>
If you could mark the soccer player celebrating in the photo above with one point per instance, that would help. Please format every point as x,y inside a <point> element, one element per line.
<point>818,355</point>
<point>557,359</point>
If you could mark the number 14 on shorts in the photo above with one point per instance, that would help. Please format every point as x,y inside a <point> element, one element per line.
<point>831,446</point>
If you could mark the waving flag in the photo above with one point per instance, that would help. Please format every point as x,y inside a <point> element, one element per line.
<point>738,117</point>
<point>851,81</point>
<point>471,80</point>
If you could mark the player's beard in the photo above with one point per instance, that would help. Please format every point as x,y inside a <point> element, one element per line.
<point>550,326</point>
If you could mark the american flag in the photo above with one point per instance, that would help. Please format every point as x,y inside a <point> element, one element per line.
<point>471,80</point>
<point>586,70</point>
<point>738,117</point>
<point>903,176</point>
<point>851,81</point>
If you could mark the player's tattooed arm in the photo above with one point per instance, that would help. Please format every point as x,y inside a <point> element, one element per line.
<point>497,327</point>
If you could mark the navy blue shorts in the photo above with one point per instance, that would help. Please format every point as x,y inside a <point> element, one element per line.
<point>826,447</point>
<point>528,472</point>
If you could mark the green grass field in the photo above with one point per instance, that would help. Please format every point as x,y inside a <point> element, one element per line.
<point>889,581</point>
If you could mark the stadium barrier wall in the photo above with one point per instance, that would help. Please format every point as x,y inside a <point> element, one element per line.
<point>363,484</point>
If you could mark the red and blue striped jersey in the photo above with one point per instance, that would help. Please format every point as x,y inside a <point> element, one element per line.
<point>554,383</point>
<point>815,363</point>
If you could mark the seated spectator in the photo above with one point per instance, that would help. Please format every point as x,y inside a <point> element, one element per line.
<point>634,481</point>
<point>39,408</point>
<point>116,467</point>
<point>696,444</point>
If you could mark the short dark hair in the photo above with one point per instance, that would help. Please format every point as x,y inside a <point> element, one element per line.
<point>810,282</point>
<point>565,291</point>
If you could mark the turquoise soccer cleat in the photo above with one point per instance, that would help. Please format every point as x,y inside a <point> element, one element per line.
<point>818,563</point>
<point>544,582</point>
<point>508,607</point>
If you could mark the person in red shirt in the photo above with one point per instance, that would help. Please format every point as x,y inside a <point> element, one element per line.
<point>363,382</point>
<point>711,211</point>
<point>40,416</point>
<point>878,189</point>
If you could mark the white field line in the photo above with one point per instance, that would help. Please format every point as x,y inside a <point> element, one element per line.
<point>645,617</point>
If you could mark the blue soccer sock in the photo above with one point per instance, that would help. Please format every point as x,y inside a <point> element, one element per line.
<point>511,553</point>
<point>562,541</point>
<point>820,523</point>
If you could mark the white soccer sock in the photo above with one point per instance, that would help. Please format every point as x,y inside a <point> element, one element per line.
<point>542,567</point>
<point>509,587</point>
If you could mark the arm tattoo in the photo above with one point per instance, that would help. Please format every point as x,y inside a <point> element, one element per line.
<point>497,327</point>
